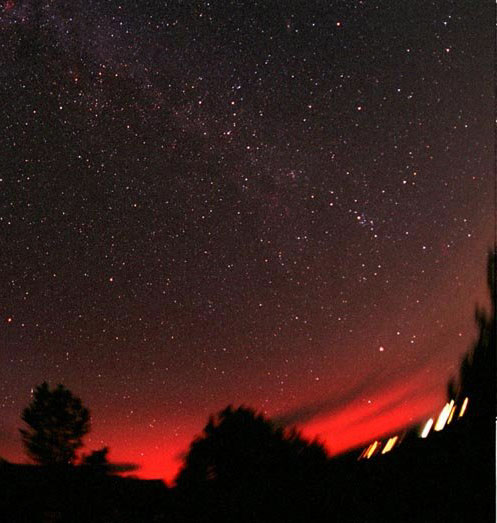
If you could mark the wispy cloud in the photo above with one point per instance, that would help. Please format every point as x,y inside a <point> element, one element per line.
<point>377,385</point>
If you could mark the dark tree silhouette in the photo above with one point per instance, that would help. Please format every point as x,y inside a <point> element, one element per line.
<point>57,422</point>
<point>478,368</point>
<point>242,464</point>
<point>240,443</point>
<point>472,444</point>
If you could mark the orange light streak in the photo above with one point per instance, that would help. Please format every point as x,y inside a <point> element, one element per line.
<point>464,407</point>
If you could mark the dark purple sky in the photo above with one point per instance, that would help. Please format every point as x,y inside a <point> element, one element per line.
<point>282,204</point>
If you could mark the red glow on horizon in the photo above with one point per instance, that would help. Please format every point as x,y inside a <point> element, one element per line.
<point>392,409</point>
<point>160,456</point>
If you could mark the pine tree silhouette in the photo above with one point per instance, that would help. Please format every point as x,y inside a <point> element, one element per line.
<point>57,422</point>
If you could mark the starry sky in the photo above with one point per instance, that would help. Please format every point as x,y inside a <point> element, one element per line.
<point>285,204</point>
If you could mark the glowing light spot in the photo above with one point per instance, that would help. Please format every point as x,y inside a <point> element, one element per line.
<point>427,428</point>
<point>443,416</point>
<point>372,449</point>
<point>451,415</point>
<point>390,444</point>
<point>464,407</point>
<point>366,453</point>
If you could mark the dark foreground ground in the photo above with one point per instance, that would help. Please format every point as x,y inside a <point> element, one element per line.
<point>448,477</point>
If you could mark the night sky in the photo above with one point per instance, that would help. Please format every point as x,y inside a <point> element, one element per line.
<point>285,204</point>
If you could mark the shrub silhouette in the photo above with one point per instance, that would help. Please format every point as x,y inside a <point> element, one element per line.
<point>242,464</point>
<point>97,458</point>
<point>98,462</point>
<point>57,422</point>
